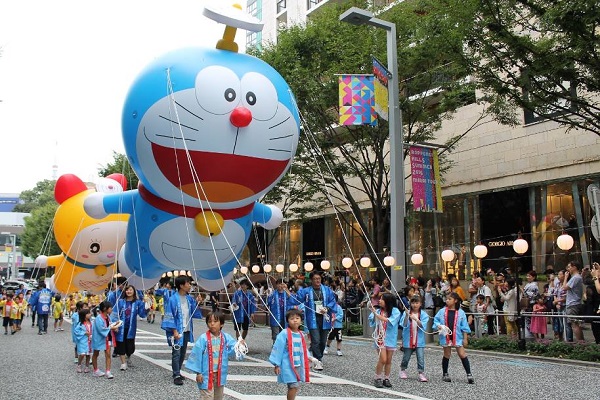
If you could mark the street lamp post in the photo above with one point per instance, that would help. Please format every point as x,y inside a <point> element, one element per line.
<point>13,270</point>
<point>358,16</point>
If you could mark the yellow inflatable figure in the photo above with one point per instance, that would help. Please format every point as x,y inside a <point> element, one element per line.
<point>89,246</point>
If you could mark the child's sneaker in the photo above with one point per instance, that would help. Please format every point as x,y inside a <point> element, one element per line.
<point>86,370</point>
<point>109,375</point>
<point>386,383</point>
<point>470,379</point>
<point>124,367</point>
<point>422,377</point>
<point>403,374</point>
<point>326,351</point>
<point>76,360</point>
<point>339,353</point>
<point>446,378</point>
<point>79,369</point>
<point>99,373</point>
<point>378,383</point>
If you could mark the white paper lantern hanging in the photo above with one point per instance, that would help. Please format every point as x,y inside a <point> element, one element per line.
<point>235,271</point>
<point>520,246</point>
<point>183,272</point>
<point>279,268</point>
<point>416,258</point>
<point>255,269</point>
<point>293,267</point>
<point>365,262</point>
<point>347,262</point>
<point>267,268</point>
<point>388,261</point>
<point>175,274</point>
<point>169,274</point>
<point>244,270</point>
<point>565,242</point>
<point>325,264</point>
<point>480,251</point>
<point>308,266</point>
<point>447,255</point>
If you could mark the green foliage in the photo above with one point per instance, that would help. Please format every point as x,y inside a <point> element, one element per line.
<point>41,195</point>
<point>544,348</point>
<point>120,165</point>
<point>38,237</point>
<point>352,329</point>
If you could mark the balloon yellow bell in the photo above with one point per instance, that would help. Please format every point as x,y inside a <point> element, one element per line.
<point>209,223</point>
<point>100,270</point>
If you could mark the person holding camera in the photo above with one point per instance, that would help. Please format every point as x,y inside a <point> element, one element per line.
<point>573,285</point>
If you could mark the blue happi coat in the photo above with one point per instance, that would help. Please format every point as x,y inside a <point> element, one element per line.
<point>391,328</point>
<point>41,300</point>
<point>306,296</point>
<point>238,299</point>
<point>460,327</point>
<point>173,318</point>
<point>280,357</point>
<point>100,329</point>
<point>338,321</point>
<point>138,309</point>
<point>276,313</point>
<point>81,339</point>
<point>406,324</point>
<point>198,358</point>
<point>74,323</point>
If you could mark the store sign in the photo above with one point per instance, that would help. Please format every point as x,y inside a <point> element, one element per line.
<point>500,243</point>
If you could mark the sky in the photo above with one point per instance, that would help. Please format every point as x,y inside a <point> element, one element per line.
<point>65,69</point>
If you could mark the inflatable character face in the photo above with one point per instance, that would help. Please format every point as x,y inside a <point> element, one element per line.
<point>89,245</point>
<point>222,133</point>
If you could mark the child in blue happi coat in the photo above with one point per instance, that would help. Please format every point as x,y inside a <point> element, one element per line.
<point>82,335</point>
<point>290,354</point>
<point>385,319</point>
<point>413,322</point>
<point>336,330</point>
<point>451,322</point>
<point>209,358</point>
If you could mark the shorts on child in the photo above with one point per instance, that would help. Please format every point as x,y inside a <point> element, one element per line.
<point>335,333</point>
<point>215,393</point>
<point>243,325</point>
<point>6,322</point>
<point>293,385</point>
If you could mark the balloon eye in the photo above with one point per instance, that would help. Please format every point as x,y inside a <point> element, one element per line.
<point>251,98</point>
<point>94,248</point>
<point>230,95</point>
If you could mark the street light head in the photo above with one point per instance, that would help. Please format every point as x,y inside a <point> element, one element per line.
<point>356,16</point>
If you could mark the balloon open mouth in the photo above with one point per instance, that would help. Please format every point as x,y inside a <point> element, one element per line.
<point>216,177</point>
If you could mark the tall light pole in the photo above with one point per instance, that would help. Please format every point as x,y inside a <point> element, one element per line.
<point>358,16</point>
<point>13,270</point>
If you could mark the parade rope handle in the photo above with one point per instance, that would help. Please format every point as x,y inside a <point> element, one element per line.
<point>241,349</point>
<point>444,330</point>
<point>174,345</point>
<point>379,334</point>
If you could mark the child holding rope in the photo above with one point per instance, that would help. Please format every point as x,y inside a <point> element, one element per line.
<point>413,323</point>
<point>451,322</point>
<point>209,358</point>
<point>385,319</point>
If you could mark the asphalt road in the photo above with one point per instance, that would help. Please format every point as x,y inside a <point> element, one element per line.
<point>42,367</point>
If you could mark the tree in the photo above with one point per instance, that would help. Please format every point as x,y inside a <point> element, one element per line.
<point>540,56</point>
<point>349,164</point>
<point>41,195</point>
<point>120,165</point>
<point>38,235</point>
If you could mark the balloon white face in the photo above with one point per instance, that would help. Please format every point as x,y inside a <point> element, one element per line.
<point>98,244</point>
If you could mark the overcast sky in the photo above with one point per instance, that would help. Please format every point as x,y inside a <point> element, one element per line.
<point>65,68</point>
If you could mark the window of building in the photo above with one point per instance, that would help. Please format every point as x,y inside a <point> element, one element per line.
<point>554,101</point>
<point>310,4</point>
<point>281,6</point>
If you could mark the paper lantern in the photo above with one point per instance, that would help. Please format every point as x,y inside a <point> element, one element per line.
<point>325,264</point>
<point>520,246</point>
<point>365,262</point>
<point>416,258</point>
<point>389,261</point>
<point>279,268</point>
<point>293,267</point>
<point>447,255</point>
<point>308,266</point>
<point>480,251</point>
<point>565,242</point>
<point>267,268</point>
<point>346,262</point>
<point>235,271</point>
<point>169,274</point>
<point>244,270</point>
<point>255,269</point>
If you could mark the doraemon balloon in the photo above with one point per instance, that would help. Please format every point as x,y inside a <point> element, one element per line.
<point>208,132</point>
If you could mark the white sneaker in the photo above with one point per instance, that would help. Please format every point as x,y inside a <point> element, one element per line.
<point>339,353</point>
<point>99,373</point>
<point>319,366</point>
<point>124,367</point>
<point>109,375</point>
<point>326,351</point>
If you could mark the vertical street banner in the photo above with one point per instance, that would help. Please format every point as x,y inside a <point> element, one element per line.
<point>426,185</point>
<point>380,86</point>
<point>356,100</point>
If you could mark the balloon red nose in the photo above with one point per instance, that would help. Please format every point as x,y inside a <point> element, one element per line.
<point>241,117</point>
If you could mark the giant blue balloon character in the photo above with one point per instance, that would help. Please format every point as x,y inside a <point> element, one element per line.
<point>208,132</point>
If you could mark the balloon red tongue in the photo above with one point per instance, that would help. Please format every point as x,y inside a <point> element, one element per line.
<point>240,117</point>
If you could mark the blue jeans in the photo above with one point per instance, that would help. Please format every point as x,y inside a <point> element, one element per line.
<point>318,340</point>
<point>420,358</point>
<point>43,322</point>
<point>558,324</point>
<point>178,356</point>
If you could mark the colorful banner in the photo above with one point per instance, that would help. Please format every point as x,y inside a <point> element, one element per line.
<point>380,86</point>
<point>356,100</point>
<point>426,185</point>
